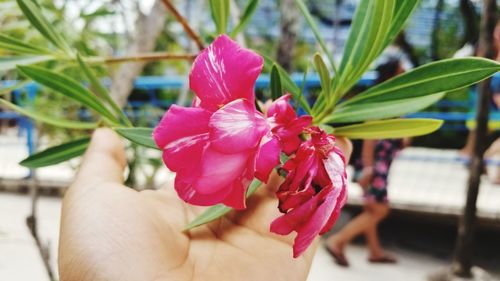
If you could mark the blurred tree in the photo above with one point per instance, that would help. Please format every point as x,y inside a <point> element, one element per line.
<point>465,244</point>
<point>289,27</point>
<point>148,29</point>
<point>471,22</point>
<point>436,30</point>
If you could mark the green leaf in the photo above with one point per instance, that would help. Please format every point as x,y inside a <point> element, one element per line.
<point>139,135</point>
<point>219,210</point>
<point>33,13</point>
<point>220,14</point>
<point>402,12</point>
<point>58,122</point>
<point>8,63</point>
<point>287,83</point>
<point>101,91</point>
<point>276,90</point>
<point>247,14</point>
<point>17,46</point>
<point>435,77</point>
<point>57,154</point>
<point>68,87</point>
<point>381,110</point>
<point>324,75</point>
<point>389,129</point>
<point>312,24</point>
<point>369,30</point>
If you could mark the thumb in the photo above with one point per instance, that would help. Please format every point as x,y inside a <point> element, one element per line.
<point>104,160</point>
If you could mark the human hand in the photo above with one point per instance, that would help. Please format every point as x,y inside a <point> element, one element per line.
<point>111,232</point>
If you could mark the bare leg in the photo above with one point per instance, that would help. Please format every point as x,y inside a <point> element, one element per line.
<point>365,223</point>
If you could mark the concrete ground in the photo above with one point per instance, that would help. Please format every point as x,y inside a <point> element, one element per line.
<point>20,259</point>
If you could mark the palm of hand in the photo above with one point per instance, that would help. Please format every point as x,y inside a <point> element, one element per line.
<point>110,232</point>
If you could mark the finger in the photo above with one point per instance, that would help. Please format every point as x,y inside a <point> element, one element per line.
<point>104,160</point>
<point>346,146</point>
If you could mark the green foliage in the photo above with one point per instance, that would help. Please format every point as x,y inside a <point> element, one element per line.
<point>57,154</point>
<point>58,122</point>
<point>68,87</point>
<point>220,14</point>
<point>276,90</point>
<point>381,109</point>
<point>440,76</point>
<point>219,210</point>
<point>246,16</point>
<point>33,13</point>
<point>17,46</point>
<point>389,129</point>
<point>138,135</point>
<point>8,63</point>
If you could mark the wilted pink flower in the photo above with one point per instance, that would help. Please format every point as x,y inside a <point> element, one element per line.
<point>313,192</point>
<point>217,146</point>
<point>286,125</point>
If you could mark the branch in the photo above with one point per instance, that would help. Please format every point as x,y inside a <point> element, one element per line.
<point>144,57</point>
<point>184,24</point>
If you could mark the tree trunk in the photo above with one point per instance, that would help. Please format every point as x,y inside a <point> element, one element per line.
<point>289,29</point>
<point>149,27</point>
<point>436,28</point>
<point>471,24</point>
<point>407,48</point>
<point>465,244</point>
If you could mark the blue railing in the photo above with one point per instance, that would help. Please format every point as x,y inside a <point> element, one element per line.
<point>151,85</point>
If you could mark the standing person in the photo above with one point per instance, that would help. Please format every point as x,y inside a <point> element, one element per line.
<point>376,158</point>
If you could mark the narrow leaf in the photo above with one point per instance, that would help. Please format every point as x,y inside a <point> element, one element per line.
<point>57,154</point>
<point>220,14</point>
<point>33,13</point>
<point>68,87</point>
<point>17,46</point>
<point>324,76</point>
<point>435,77</point>
<point>8,63</point>
<point>366,40</point>
<point>402,12</point>
<point>138,135</point>
<point>101,90</point>
<point>41,117</point>
<point>381,110</point>
<point>276,90</point>
<point>312,24</point>
<point>219,210</point>
<point>246,16</point>
<point>388,129</point>
<point>287,83</point>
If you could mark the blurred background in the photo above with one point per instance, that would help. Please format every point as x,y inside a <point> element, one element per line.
<point>427,182</point>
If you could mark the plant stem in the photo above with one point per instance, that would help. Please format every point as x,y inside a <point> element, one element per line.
<point>143,57</point>
<point>196,38</point>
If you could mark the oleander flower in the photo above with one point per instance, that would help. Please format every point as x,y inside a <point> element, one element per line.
<point>218,145</point>
<point>313,192</point>
<point>286,125</point>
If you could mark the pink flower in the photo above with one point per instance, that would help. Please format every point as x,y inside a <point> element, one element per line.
<point>286,125</point>
<point>313,192</point>
<point>217,146</point>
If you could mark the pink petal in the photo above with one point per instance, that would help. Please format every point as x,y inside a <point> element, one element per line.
<point>184,181</point>
<point>237,198</point>
<point>236,127</point>
<point>224,72</point>
<point>219,170</point>
<point>292,220</point>
<point>308,232</point>
<point>282,110</point>
<point>182,134</point>
<point>339,204</point>
<point>335,166</point>
<point>268,157</point>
